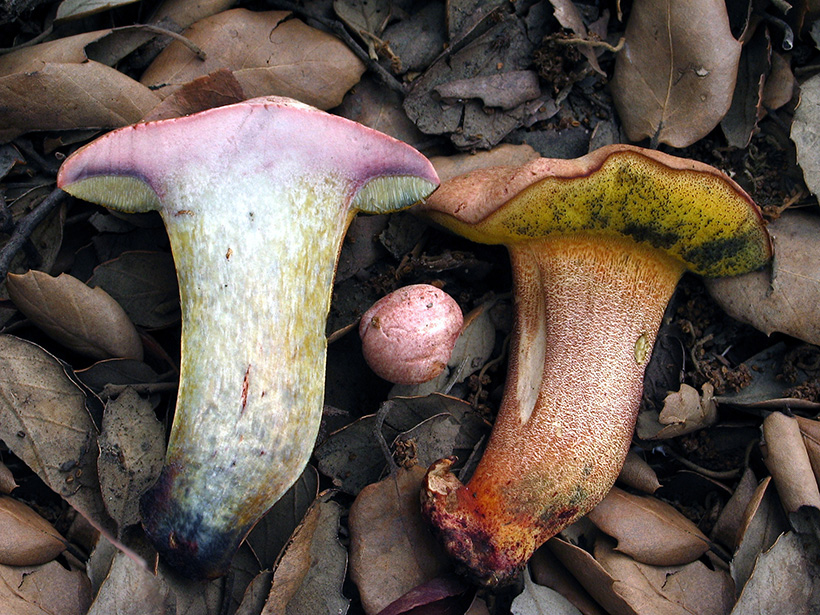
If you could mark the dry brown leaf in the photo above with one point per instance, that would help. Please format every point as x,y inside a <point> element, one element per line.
<point>391,548</point>
<point>67,50</point>
<point>309,575</point>
<point>505,90</point>
<point>786,458</point>
<point>541,600</point>
<point>502,155</point>
<point>130,589</point>
<point>806,133</point>
<point>66,96</point>
<point>548,571</point>
<point>267,53</point>
<point>44,590</point>
<point>784,299</point>
<point>684,411</point>
<point>763,521</point>
<point>649,530</point>
<point>727,527</point>
<point>86,320</point>
<point>638,474</point>
<point>26,539</point>
<point>44,421</point>
<point>7,482</point>
<point>746,109</point>
<point>589,573</point>
<point>367,18</point>
<point>132,450</point>
<point>693,589</point>
<point>786,579</point>
<point>675,75</point>
<point>214,90</point>
<point>780,84</point>
<point>77,9</point>
<point>570,18</point>
<point>810,430</point>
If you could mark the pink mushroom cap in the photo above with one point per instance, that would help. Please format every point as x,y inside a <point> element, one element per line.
<point>409,335</point>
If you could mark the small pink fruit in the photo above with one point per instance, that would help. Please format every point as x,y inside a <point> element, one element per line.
<point>408,336</point>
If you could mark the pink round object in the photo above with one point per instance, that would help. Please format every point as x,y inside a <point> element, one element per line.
<point>408,336</point>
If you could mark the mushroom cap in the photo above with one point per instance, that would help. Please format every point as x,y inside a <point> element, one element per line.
<point>136,168</point>
<point>685,208</point>
<point>409,335</point>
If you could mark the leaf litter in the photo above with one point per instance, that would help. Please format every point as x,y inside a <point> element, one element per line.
<point>518,79</point>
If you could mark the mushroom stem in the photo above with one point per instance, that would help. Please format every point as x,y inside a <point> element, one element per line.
<point>548,463</point>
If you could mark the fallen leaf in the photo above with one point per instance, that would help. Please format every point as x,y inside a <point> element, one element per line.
<point>780,85</point>
<point>570,18</point>
<point>783,299</point>
<point>130,589</point>
<point>786,579</point>
<point>132,451</point>
<point>418,40</point>
<point>810,430</point>
<point>673,590</point>
<point>70,96</point>
<point>118,372</point>
<point>444,435</point>
<point>805,133</point>
<point>44,590</point>
<point>391,547</point>
<point>308,577</point>
<point>547,570</point>
<point>505,90</point>
<point>727,527</point>
<point>444,595</point>
<point>267,53</point>
<point>86,320</point>
<point>272,532</point>
<point>213,90</point>
<point>786,458</point>
<point>540,600</point>
<point>7,482</point>
<point>44,421</point>
<point>26,539</point>
<point>367,18</point>
<point>684,411</point>
<point>762,523</point>
<point>144,284</point>
<point>675,75</point>
<point>649,530</point>
<point>746,109</point>
<point>638,474</point>
<point>76,9</point>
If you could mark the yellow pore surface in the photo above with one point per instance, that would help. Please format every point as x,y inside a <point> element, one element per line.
<point>698,217</point>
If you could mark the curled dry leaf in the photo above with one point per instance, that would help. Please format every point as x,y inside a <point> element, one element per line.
<point>391,547</point>
<point>684,411</point>
<point>784,299</point>
<point>727,527</point>
<point>86,320</point>
<point>132,450</point>
<point>130,589</point>
<point>650,531</point>
<point>309,575</point>
<point>547,570</point>
<point>786,458</point>
<point>444,595</point>
<point>44,590</point>
<point>268,53</point>
<point>213,90</point>
<point>26,539</point>
<point>44,421</point>
<point>791,566</point>
<point>638,474</point>
<point>675,75</point>
<point>763,521</point>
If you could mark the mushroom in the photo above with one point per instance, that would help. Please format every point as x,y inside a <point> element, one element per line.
<point>409,334</point>
<point>256,198</point>
<point>597,246</point>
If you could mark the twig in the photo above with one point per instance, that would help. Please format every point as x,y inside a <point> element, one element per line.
<point>166,32</point>
<point>26,226</point>
<point>591,43</point>
<point>341,32</point>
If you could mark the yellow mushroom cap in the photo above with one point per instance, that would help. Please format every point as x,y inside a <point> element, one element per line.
<point>688,209</point>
